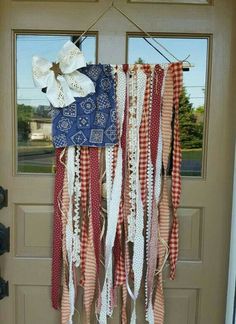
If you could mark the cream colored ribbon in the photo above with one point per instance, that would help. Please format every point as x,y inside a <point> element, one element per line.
<point>61,78</point>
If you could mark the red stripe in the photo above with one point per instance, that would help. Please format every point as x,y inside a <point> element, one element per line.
<point>95,201</point>
<point>57,233</point>
<point>155,113</point>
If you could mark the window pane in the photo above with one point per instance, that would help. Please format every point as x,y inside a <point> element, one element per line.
<point>193,99</point>
<point>34,150</point>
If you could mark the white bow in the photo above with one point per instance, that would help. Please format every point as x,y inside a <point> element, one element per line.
<point>62,80</point>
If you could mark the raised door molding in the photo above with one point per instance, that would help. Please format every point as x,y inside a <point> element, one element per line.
<point>199,2</point>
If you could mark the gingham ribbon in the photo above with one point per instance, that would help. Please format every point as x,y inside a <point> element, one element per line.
<point>164,212</point>
<point>177,70</point>
<point>84,174</point>
<point>144,136</point>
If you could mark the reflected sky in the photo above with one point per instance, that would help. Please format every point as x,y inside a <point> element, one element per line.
<point>48,47</point>
<point>195,79</point>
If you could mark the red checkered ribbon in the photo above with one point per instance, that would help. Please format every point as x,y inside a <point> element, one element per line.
<point>84,175</point>
<point>164,211</point>
<point>144,136</point>
<point>177,70</point>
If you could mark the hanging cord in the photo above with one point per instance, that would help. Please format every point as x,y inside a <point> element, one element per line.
<point>112,5</point>
<point>94,23</point>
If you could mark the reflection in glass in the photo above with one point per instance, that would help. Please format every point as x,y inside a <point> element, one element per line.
<point>193,99</point>
<point>35,152</point>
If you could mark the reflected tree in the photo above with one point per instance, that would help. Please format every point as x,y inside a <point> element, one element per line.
<point>24,115</point>
<point>191,123</point>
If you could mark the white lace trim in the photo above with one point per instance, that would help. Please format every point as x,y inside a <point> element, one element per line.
<point>69,227</point>
<point>76,217</point>
<point>138,249</point>
<point>121,96</point>
<point>113,203</point>
<point>132,153</point>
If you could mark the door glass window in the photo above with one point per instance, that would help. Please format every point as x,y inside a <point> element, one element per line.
<point>35,153</point>
<point>194,97</point>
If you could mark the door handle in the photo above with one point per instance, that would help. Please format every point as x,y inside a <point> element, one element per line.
<point>4,291</point>
<point>3,197</point>
<point>4,239</point>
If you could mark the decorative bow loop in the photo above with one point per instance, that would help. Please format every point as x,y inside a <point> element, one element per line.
<point>62,80</point>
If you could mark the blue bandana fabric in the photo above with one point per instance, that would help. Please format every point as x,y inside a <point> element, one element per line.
<point>90,120</point>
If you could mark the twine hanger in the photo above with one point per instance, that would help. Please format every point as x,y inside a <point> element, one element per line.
<point>112,5</point>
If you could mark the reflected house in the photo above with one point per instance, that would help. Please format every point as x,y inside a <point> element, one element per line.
<point>41,129</point>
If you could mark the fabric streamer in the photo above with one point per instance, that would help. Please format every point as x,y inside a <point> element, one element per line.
<point>113,154</point>
<point>57,230</point>
<point>176,178</point>
<point>164,212</point>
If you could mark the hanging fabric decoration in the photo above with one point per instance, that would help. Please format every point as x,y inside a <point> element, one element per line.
<point>113,142</point>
